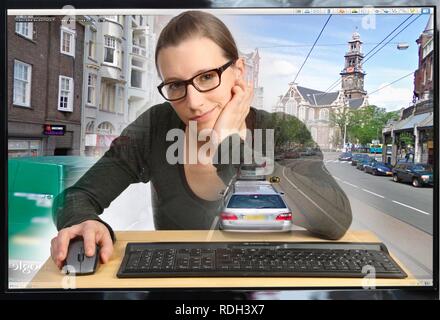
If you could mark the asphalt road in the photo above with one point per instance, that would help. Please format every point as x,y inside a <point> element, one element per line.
<point>397,213</point>
<point>400,200</point>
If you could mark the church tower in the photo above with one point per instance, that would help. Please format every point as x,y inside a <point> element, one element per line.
<point>352,74</point>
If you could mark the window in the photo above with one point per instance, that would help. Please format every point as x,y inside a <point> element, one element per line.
<point>136,78</point>
<point>119,99</point>
<point>90,127</point>
<point>22,84</point>
<point>91,89</point>
<point>323,114</point>
<point>426,74</point>
<point>302,113</point>
<point>25,29</point>
<point>105,128</point>
<point>24,148</point>
<point>314,132</point>
<point>65,94</point>
<point>92,44</point>
<point>432,70</point>
<point>109,50</point>
<point>68,42</point>
<point>108,92</point>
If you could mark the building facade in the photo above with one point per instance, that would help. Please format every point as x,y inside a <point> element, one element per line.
<point>417,120</point>
<point>45,69</point>
<point>119,77</point>
<point>313,107</point>
<point>252,69</point>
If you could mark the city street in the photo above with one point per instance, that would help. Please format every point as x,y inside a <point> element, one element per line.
<point>397,213</point>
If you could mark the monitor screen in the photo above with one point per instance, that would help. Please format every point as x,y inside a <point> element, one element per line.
<point>310,123</point>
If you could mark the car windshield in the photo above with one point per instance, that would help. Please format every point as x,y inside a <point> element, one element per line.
<point>422,167</point>
<point>381,164</point>
<point>256,201</point>
<point>346,154</point>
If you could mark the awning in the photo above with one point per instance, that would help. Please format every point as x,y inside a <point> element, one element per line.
<point>411,121</point>
<point>428,122</point>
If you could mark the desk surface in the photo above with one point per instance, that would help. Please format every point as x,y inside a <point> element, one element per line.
<point>105,277</point>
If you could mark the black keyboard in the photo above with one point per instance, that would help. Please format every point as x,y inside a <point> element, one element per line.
<point>252,259</point>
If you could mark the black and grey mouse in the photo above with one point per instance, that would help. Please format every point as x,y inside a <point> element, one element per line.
<point>77,262</point>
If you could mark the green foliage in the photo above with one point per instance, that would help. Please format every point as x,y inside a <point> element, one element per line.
<point>289,131</point>
<point>364,124</point>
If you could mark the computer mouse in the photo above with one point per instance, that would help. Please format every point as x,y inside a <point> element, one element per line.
<point>77,262</point>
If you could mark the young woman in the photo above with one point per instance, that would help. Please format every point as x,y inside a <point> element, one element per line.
<point>203,81</point>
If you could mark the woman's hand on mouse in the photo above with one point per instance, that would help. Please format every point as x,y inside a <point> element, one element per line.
<point>232,118</point>
<point>93,232</point>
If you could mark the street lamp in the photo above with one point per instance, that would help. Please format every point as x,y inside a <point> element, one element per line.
<point>345,128</point>
<point>402,45</point>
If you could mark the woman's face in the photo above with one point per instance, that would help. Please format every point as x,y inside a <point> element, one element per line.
<point>188,59</point>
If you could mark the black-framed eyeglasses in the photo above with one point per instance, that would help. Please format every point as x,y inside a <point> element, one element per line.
<point>203,82</point>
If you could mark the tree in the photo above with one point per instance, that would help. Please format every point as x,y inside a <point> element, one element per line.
<point>367,123</point>
<point>289,131</point>
<point>341,118</point>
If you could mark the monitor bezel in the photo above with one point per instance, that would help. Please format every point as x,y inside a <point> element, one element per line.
<point>95,293</point>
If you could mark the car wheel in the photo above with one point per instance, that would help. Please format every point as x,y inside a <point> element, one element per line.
<point>416,182</point>
<point>395,178</point>
<point>374,172</point>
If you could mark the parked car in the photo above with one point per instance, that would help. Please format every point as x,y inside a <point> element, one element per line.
<point>291,154</point>
<point>358,156</point>
<point>419,174</point>
<point>254,206</point>
<point>378,168</point>
<point>308,152</point>
<point>363,162</point>
<point>279,156</point>
<point>345,156</point>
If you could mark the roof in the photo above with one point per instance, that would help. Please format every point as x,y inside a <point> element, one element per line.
<point>411,121</point>
<point>430,25</point>
<point>316,97</point>
<point>254,187</point>
<point>428,122</point>
<point>355,103</point>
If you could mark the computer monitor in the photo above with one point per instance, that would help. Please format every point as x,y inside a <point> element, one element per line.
<point>345,98</point>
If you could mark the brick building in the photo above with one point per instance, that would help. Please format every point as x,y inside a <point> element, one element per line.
<point>45,70</point>
<point>417,120</point>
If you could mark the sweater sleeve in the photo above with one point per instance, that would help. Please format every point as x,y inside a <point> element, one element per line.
<point>123,164</point>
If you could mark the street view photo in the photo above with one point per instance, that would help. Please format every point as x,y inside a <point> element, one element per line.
<point>349,94</point>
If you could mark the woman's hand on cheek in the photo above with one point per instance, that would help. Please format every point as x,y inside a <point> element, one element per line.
<point>233,116</point>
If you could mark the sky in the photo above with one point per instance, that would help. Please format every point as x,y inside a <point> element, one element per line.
<point>283,42</point>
